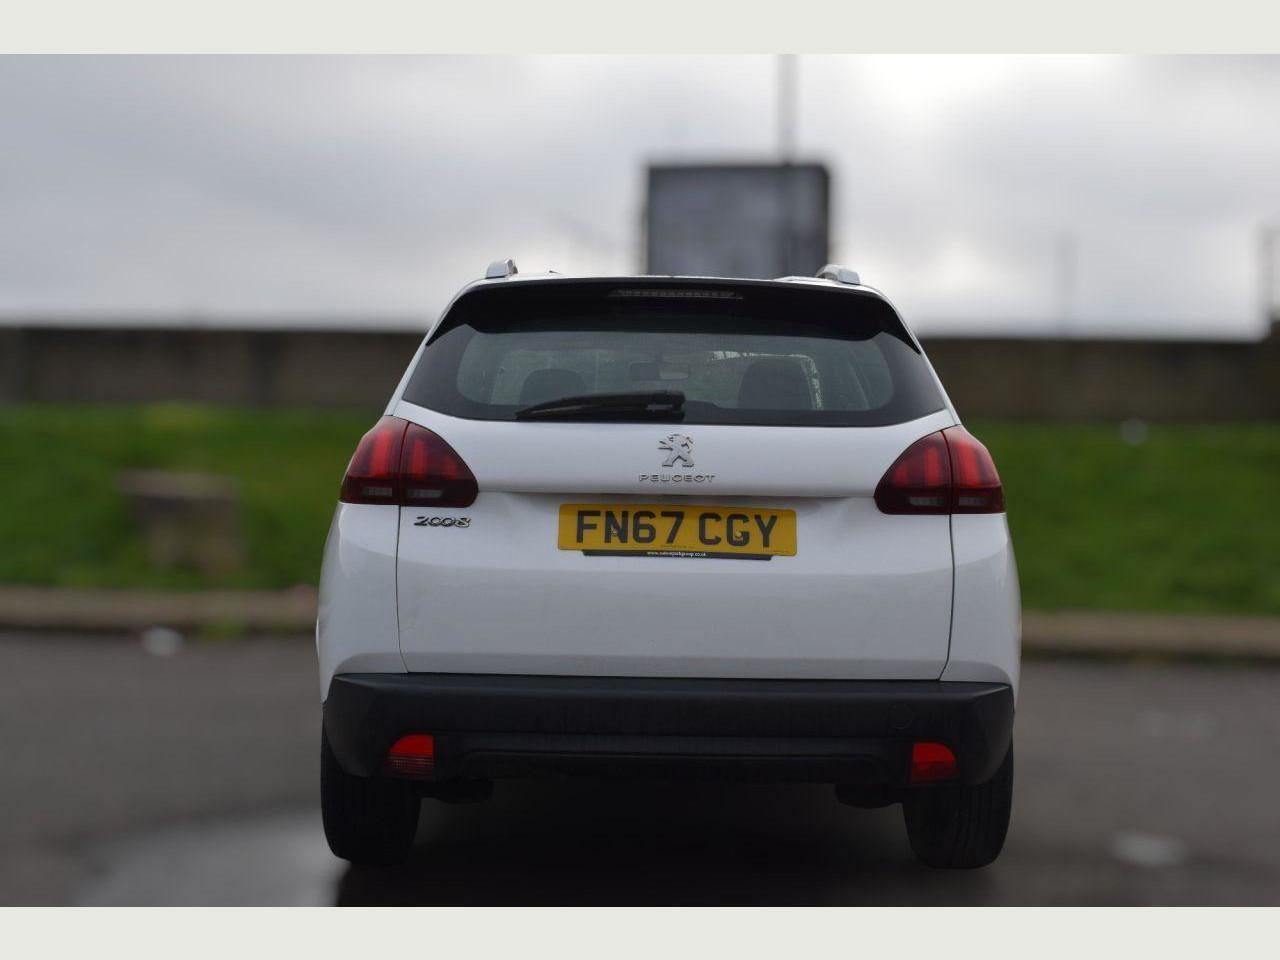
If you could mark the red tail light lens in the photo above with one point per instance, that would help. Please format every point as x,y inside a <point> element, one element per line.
<point>946,472</point>
<point>975,484</point>
<point>412,756</point>
<point>398,462</point>
<point>432,473</point>
<point>932,763</point>
<point>373,476</point>
<point>919,480</point>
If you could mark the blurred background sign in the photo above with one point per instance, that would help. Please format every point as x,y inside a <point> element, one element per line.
<point>737,219</point>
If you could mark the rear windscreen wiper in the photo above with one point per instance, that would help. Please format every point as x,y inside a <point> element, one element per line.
<point>647,405</point>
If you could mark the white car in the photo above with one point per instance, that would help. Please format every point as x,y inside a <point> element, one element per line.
<point>670,527</point>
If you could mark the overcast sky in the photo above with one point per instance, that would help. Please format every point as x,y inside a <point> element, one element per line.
<point>1039,194</point>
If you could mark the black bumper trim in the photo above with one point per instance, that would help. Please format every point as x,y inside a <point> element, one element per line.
<point>839,731</point>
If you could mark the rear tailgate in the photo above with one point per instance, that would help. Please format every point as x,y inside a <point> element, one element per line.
<point>864,595</point>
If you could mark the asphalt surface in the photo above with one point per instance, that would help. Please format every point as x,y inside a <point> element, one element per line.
<point>188,774</point>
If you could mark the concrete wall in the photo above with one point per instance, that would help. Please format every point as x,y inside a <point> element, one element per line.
<point>1110,379</point>
<point>275,367</point>
<point>1064,379</point>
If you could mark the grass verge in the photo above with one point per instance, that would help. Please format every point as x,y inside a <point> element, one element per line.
<point>1179,522</point>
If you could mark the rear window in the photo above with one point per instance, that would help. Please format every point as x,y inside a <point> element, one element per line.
<point>740,353</point>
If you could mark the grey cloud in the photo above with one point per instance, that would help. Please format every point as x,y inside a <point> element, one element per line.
<point>235,184</point>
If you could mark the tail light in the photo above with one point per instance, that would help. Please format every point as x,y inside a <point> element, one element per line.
<point>432,473</point>
<point>975,485</point>
<point>398,462</point>
<point>946,472</point>
<point>919,481</point>
<point>373,473</point>
<point>932,762</point>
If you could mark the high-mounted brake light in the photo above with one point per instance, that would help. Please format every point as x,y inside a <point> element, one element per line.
<point>398,462</point>
<point>946,472</point>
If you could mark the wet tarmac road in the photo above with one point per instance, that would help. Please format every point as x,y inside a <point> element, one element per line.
<point>190,778</point>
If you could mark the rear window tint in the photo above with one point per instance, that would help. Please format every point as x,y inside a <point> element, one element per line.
<point>740,353</point>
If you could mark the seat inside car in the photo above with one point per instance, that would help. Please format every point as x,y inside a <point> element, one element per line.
<point>551,384</point>
<point>775,383</point>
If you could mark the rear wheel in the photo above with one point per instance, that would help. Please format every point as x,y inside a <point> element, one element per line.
<point>366,819</point>
<point>961,826</point>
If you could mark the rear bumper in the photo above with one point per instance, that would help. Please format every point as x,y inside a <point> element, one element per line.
<point>827,731</point>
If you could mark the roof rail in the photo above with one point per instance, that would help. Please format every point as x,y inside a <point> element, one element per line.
<point>500,269</point>
<point>833,271</point>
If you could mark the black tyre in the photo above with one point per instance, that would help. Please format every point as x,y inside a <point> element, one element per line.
<point>961,827</point>
<point>366,819</point>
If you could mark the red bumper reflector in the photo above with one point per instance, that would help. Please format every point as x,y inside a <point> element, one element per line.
<point>412,756</point>
<point>932,763</point>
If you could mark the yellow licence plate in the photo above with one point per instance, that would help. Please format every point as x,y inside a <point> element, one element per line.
<point>666,530</point>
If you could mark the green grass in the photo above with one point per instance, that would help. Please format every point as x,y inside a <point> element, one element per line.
<point>63,523</point>
<point>1184,521</point>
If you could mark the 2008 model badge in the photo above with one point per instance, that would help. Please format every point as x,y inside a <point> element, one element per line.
<point>680,448</point>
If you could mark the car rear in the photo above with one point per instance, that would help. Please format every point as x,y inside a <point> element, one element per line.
<point>670,527</point>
